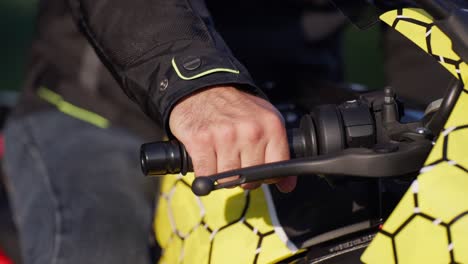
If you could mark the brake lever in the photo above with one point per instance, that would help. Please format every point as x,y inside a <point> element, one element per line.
<point>385,160</point>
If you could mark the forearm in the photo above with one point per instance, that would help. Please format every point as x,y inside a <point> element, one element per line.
<point>159,51</point>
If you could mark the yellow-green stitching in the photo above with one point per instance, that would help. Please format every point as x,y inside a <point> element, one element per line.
<point>201,74</point>
<point>72,110</point>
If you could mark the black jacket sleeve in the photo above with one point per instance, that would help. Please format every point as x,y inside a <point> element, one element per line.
<point>159,50</point>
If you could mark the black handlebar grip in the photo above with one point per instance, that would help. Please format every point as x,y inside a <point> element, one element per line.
<point>164,157</point>
<point>170,157</point>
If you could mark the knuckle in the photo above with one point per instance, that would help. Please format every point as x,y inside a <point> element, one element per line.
<point>227,132</point>
<point>202,136</point>
<point>253,132</point>
<point>274,121</point>
<point>196,144</point>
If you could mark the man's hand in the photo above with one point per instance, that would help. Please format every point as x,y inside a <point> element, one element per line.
<point>224,128</point>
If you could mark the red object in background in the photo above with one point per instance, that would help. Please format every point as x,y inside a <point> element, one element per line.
<point>4,259</point>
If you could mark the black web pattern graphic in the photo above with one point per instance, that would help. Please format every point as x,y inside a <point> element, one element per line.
<point>241,218</point>
<point>417,213</point>
<point>446,157</point>
<point>429,27</point>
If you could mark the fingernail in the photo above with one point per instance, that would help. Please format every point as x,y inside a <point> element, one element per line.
<point>287,185</point>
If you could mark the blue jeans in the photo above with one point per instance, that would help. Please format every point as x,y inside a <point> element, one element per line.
<point>77,191</point>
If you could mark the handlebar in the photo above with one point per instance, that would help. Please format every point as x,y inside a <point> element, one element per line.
<point>381,161</point>
<point>328,129</point>
<point>359,138</point>
<point>171,157</point>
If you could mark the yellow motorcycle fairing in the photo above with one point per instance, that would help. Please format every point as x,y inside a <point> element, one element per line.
<point>228,226</point>
<point>430,224</point>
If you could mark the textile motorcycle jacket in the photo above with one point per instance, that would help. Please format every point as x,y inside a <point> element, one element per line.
<point>161,51</point>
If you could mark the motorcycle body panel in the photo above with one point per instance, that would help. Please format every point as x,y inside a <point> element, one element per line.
<point>430,224</point>
<point>228,226</point>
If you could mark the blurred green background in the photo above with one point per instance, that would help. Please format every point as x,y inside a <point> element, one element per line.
<point>363,55</point>
<point>362,50</point>
<point>16,28</point>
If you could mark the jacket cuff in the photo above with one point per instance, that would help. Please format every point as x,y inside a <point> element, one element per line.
<point>177,76</point>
